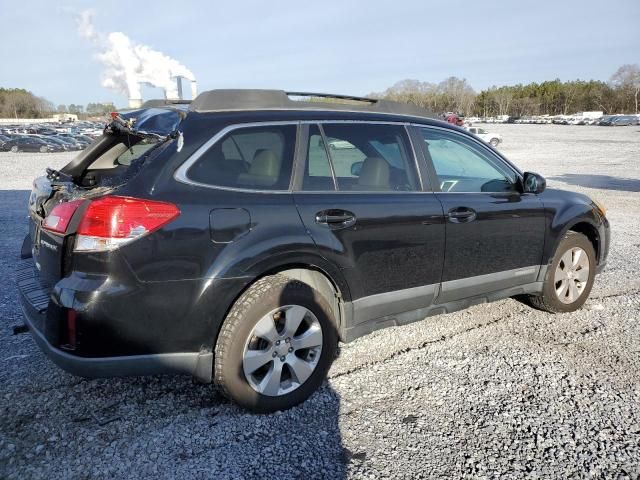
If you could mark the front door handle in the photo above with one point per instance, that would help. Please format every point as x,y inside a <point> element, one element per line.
<point>335,218</point>
<point>462,215</point>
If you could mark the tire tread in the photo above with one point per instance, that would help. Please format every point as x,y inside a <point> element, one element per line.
<point>261,288</point>
<point>543,302</point>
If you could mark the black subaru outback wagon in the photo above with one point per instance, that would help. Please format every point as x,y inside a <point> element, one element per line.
<point>238,238</point>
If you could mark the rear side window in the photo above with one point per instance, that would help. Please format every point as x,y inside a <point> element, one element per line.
<point>370,157</point>
<point>257,158</point>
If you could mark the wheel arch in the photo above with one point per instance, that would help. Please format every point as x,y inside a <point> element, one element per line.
<point>591,232</point>
<point>586,227</point>
<point>315,272</point>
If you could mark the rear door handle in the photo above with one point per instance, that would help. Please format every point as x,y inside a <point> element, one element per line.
<point>335,218</point>
<point>462,215</point>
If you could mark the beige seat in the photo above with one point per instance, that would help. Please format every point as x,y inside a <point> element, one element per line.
<point>264,170</point>
<point>375,175</point>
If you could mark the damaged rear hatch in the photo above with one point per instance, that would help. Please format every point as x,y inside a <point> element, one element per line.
<point>58,199</point>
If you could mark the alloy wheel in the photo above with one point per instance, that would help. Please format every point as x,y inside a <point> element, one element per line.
<point>282,350</point>
<point>571,275</point>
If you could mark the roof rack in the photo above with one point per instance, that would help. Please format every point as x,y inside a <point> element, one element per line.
<point>163,102</point>
<point>240,99</point>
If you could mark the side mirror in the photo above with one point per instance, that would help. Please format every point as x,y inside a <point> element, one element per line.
<point>356,168</point>
<point>533,183</point>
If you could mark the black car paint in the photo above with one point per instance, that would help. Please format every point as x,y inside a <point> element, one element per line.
<point>170,291</point>
<point>27,144</point>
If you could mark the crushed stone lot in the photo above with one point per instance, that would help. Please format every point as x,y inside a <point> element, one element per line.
<point>499,390</point>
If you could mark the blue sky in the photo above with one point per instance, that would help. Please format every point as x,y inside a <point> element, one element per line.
<point>353,47</point>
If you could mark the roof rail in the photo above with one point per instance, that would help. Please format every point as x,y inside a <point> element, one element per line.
<point>163,102</point>
<point>240,99</point>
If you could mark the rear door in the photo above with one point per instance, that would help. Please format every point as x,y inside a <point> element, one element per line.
<point>495,234</point>
<point>360,196</point>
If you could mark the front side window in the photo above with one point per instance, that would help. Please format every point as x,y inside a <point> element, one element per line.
<point>463,166</point>
<point>257,158</point>
<point>370,157</point>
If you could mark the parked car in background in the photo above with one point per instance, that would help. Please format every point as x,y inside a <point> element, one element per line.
<point>30,144</point>
<point>73,145</point>
<point>84,138</point>
<point>607,120</point>
<point>66,146</point>
<point>74,139</point>
<point>625,120</point>
<point>494,139</point>
<point>454,119</point>
<point>245,256</point>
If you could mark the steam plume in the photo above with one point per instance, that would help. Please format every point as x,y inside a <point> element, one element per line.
<point>128,64</point>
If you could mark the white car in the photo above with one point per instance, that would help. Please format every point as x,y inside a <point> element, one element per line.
<point>492,138</point>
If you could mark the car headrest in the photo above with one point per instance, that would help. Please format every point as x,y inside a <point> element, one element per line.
<point>265,163</point>
<point>375,174</point>
<point>264,170</point>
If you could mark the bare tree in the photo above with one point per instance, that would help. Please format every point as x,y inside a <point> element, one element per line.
<point>503,98</point>
<point>627,77</point>
<point>459,93</point>
<point>570,93</point>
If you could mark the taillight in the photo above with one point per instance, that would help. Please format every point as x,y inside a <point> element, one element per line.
<point>112,221</point>
<point>58,219</point>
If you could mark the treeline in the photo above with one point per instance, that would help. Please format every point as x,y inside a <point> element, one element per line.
<point>619,95</point>
<point>92,108</point>
<point>20,103</point>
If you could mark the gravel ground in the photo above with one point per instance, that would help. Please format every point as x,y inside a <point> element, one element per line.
<point>496,390</point>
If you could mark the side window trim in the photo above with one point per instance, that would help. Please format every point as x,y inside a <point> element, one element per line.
<point>299,157</point>
<point>327,150</point>
<point>431,168</point>
<point>425,175</point>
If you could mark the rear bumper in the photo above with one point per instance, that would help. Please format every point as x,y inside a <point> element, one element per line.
<point>37,306</point>
<point>195,364</point>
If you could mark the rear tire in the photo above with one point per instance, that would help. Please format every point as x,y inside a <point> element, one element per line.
<point>494,142</point>
<point>256,330</point>
<point>570,276</point>
<point>15,149</point>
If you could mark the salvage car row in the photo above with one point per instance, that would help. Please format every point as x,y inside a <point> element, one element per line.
<point>617,120</point>
<point>43,139</point>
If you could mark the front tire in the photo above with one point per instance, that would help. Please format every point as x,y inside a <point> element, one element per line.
<point>494,142</point>
<point>570,276</point>
<point>14,149</point>
<point>276,345</point>
<point>43,149</point>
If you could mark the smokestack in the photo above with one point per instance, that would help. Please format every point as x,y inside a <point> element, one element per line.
<point>179,80</point>
<point>128,63</point>
<point>194,89</point>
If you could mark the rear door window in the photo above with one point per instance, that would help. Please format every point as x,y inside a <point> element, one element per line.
<point>371,157</point>
<point>257,158</point>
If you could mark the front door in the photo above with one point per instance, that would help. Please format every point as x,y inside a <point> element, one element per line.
<point>360,197</point>
<point>495,233</point>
